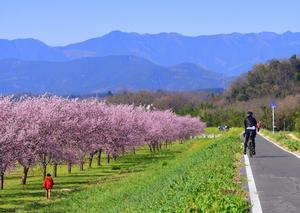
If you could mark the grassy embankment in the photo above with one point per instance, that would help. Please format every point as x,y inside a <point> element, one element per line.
<point>289,140</point>
<point>200,175</point>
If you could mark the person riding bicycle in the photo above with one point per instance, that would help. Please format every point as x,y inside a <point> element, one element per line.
<point>250,131</point>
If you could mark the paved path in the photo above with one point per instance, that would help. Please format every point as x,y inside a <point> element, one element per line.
<point>277,178</point>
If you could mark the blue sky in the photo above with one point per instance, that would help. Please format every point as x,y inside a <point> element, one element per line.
<point>60,22</point>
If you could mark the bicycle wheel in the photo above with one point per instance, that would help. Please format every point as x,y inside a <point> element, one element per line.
<point>250,149</point>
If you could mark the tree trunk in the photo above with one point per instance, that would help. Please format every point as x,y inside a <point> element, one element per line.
<point>69,168</point>
<point>1,180</point>
<point>133,150</point>
<point>25,174</point>
<point>153,147</point>
<point>44,171</point>
<point>44,165</point>
<point>81,166</point>
<point>99,157</point>
<point>108,158</point>
<point>91,160</point>
<point>55,169</point>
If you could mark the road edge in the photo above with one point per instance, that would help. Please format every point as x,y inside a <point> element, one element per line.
<point>254,198</point>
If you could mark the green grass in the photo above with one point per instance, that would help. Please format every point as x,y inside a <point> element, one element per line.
<point>297,134</point>
<point>199,175</point>
<point>215,131</point>
<point>284,138</point>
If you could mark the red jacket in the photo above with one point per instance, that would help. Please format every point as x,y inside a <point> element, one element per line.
<point>48,183</point>
<point>258,125</point>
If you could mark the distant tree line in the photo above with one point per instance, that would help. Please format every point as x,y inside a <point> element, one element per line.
<point>162,100</point>
<point>219,111</point>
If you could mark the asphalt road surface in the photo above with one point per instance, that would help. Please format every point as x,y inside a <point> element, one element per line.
<point>277,178</point>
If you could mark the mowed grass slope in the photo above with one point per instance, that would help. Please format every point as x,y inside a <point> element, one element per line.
<point>199,175</point>
<point>287,139</point>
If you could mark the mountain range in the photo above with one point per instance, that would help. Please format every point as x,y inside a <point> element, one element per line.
<point>132,61</point>
<point>102,74</point>
<point>231,54</point>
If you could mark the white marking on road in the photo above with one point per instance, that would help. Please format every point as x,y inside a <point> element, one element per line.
<point>270,141</point>
<point>256,207</point>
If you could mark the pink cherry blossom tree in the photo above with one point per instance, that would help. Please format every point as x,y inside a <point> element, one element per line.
<point>7,145</point>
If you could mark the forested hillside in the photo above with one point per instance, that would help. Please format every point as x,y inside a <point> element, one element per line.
<point>276,79</point>
<point>274,82</point>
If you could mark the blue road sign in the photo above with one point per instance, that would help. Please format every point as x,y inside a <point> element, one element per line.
<point>273,105</point>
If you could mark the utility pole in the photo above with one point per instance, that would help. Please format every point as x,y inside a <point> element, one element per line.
<point>273,116</point>
<point>273,113</point>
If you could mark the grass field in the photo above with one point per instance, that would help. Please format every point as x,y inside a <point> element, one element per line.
<point>289,140</point>
<point>200,175</point>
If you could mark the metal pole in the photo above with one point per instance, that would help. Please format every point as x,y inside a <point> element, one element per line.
<point>273,115</point>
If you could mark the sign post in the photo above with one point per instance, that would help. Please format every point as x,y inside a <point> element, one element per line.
<point>273,105</point>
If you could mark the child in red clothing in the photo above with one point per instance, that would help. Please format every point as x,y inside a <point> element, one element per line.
<point>258,125</point>
<point>48,185</point>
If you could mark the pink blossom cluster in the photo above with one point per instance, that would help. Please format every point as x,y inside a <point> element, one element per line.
<point>58,130</point>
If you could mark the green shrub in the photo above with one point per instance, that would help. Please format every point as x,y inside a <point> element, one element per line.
<point>115,167</point>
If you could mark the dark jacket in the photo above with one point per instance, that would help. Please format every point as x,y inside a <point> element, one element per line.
<point>249,122</point>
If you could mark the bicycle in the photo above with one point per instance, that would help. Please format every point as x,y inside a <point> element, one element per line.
<point>250,146</point>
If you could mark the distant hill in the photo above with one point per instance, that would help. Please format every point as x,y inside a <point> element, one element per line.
<point>98,75</point>
<point>231,54</point>
<point>29,49</point>
<point>275,79</point>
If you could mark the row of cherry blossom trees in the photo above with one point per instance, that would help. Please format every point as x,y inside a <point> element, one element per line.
<point>62,131</point>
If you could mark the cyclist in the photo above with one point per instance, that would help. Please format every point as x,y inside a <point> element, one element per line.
<point>250,131</point>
